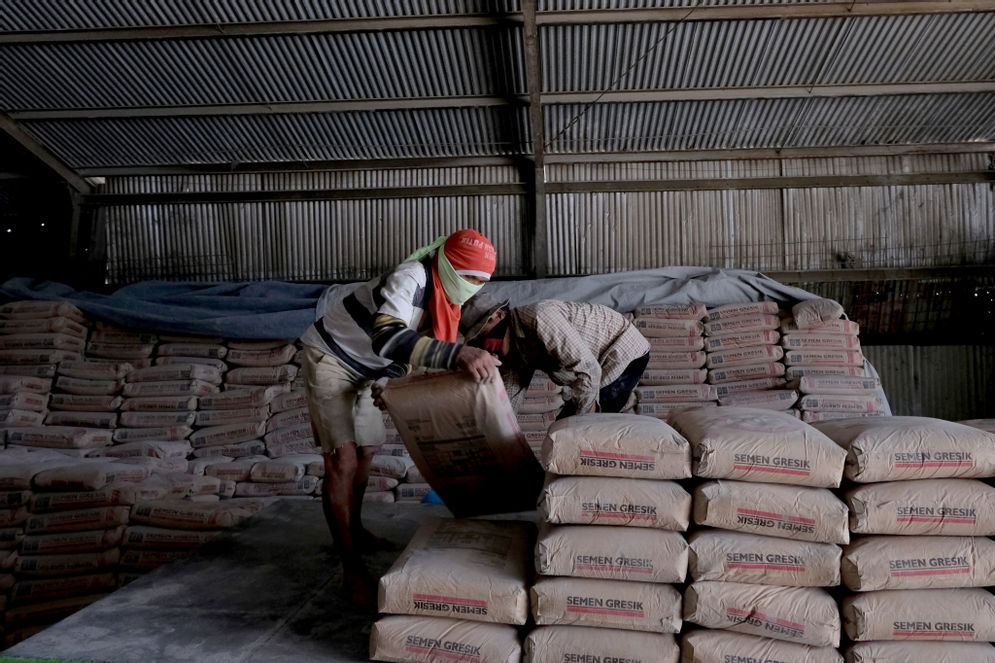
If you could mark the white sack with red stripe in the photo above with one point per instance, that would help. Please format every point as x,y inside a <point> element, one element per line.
<point>406,639</point>
<point>950,615</point>
<point>613,501</point>
<point>612,553</point>
<point>633,606</point>
<point>918,562</point>
<point>763,560</point>
<point>939,507</point>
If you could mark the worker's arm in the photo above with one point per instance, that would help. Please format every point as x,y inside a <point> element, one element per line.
<point>572,355</point>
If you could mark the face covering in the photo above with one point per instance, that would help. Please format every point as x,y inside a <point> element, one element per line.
<point>457,288</point>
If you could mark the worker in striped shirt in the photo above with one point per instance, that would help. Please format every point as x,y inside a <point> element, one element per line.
<point>407,317</point>
<point>594,352</point>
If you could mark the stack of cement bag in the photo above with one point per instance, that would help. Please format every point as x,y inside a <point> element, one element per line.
<point>611,544</point>
<point>675,375</point>
<point>759,571</point>
<point>926,513</point>
<point>456,593</point>
<point>824,362</point>
<point>744,360</point>
<point>540,403</point>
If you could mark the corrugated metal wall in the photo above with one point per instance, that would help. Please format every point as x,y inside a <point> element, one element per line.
<point>944,381</point>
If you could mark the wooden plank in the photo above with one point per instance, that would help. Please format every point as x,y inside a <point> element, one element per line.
<point>533,80</point>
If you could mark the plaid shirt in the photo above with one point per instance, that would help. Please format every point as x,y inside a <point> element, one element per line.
<point>580,345</point>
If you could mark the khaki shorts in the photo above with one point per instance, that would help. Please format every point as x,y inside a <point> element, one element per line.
<point>340,403</point>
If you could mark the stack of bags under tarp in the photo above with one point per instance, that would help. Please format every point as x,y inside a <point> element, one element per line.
<point>675,377</point>
<point>540,403</point>
<point>611,546</point>
<point>456,593</point>
<point>824,362</point>
<point>922,566</point>
<point>773,542</point>
<point>744,359</point>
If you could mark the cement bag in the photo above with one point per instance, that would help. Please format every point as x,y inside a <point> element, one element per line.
<point>168,388</point>
<point>741,339</point>
<point>745,372</point>
<point>69,564</point>
<point>72,542</point>
<point>431,639</point>
<point>612,501</point>
<point>819,341</point>
<point>795,372</point>
<point>716,646</point>
<point>616,445</point>
<point>240,398</point>
<point>88,476</point>
<point>583,644</point>
<point>379,497</point>
<point>771,399</point>
<point>60,437</point>
<point>85,387</point>
<point>918,562</point>
<point>791,512</point>
<point>754,354</point>
<point>412,492</point>
<point>160,404</point>
<point>691,311</point>
<point>26,400</point>
<point>306,485</point>
<point>861,404</point>
<point>18,418</point>
<point>167,433</point>
<point>745,386</point>
<point>739,310</point>
<point>227,434</point>
<point>812,313</point>
<point>76,403</point>
<point>942,507</point>
<point>676,343</point>
<point>181,514</point>
<point>920,614</point>
<point>157,419</point>
<point>175,372</point>
<point>763,560</point>
<point>896,448</point>
<point>739,324</point>
<point>223,417</point>
<point>77,520</point>
<point>824,357</point>
<point>261,376</point>
<point>664,410</point>
<point>395,467</point>
<point>43,589</point>
<point>281,354</point>
<point>464,437</point>
<point>934,652</point>
<point>825,327</point>
<point>612,553</point>
<point>676,393</point>
<point>214,351</point>
<point>803,615</point>
<point>759,445</point>
<point>631,606</point>
<point>467,569</point>
<point>815,417</point>
<point>290,400</point>
<point>661,377</point>
<point>838,385</point>
<point>656,327</point>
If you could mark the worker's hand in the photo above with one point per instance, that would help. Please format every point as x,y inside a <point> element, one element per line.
<point>376,389</point>
<point>480,364</point>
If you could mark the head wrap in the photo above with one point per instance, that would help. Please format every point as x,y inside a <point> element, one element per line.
<point>463,253</point>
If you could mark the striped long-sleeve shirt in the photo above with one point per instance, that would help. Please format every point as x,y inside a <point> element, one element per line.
<point>377,330</point>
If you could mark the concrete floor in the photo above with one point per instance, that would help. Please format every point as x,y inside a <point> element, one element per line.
<point>265,592</point>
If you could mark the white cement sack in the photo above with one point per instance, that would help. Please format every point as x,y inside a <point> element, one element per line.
<point>470,569</point>
<point>718,646</point>
<point>68,564</point>
<point>218,364</point>
<point>113,494</point>
<point>180,514</point>
<point>306,485</point>
<point>815,417</point>
<point>75,403</point>
<point>657,327</point>
<point>13,517</point>
<point>210,350</point>
<point>237,450</point>
<point>379,497</point>
<point>759,445</point>
<point>918,562</point>
<point>791,512</point>
<point>406,639</point>
<point>169,388</point>
<point>57,325</point>
<point>261,376</point>
<point>583,644</point>
<point>812,313</point>
<point>864,404</point>
<point>95,370</point>
<point>612,553</point>
<point>290,400</point>
<point>414,475</point>
<point>897,448</point>
<point>168,433</point>
<point>830,327</point>
<point>281,388</point>
<point>745,372</point>
<point>838,384</point>
<point>256,346</point>
<point>222,417</point>
<point>16,418</point>
<point>176,372</point>
<point>72,542</point>
<point>29,309</point>
<point>690,311</point>
<point>739,310</point>
<point>291,447</point>
<point>12,384</point>
<point>612,501</point>
<point>803,615</point>
<point>113,335</point>
<point>85,387</point>
<point>754,354</point>
<point>412,492</point>
<point>148,449</point>
<point>676,343</point>
<point>627,605</point>
<point>36,356</point>
<point>60,437</point>
<point>288,418</point>
<point>52,341</point>
<point>546,402</point>
<point>160,404</point>
<point>665,360</point>
<point>939,507</point>
<point>157,419</point>
<point>77,520</point>
<point>934,652</point>
<point>119,350</point>
<point>227,434</point>
<point>88,476</point>
<point>539,421</point>
<point>820,341</point>
<point>231,469</point>
<point>616,445</point>
<point>743,386</point>
<point>762,560</point>
<point>10,499</point>
<point>395,467</point>
<point>277,471</point>
<point>660,377</point>
<point>676,393</point>
<point>270,357</point>
<point>721,342</point>
<point>824,358</point>
<point>241,398</point>
<point>949,615</point>
<point>737,324</point>
<point>191,339</point>
<point>796,372</point>
<point>771,399</point>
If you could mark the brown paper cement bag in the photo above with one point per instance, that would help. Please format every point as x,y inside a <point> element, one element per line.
<point>803,615</point>
<point>613,553</point>
<point>921,614</point>
<point>716,646</point>
<point>465,439</point>
<point>632,606</point>
<point>752,444</point>
<point>611,501</point>
<point>616,445</point>
<point>898,448</point>
<point>934,652</point>
<point>584,644</point>
<point>431,639</point>
<point>792,512</point>
<point>763,560</point>
<point>918,562</point>
<point>939,507</point>
<point>464,569</point>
